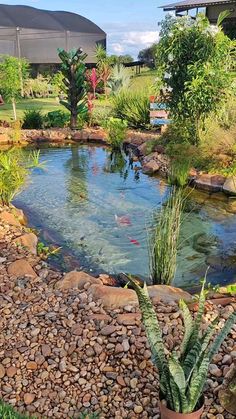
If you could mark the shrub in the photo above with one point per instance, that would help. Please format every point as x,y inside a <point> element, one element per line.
<point>14,169</point>
<point>116,130</point>
<point>133,107</point>
<point>33,119</point>
<point>163,237</point>
<point>182,374</point>
<point>56,119</point>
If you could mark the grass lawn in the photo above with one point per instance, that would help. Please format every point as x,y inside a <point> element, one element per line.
<point>45,105</point>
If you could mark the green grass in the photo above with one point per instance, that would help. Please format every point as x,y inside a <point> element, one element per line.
<point>45,105</point>
<point>7,412</point>
<point>144,81</point>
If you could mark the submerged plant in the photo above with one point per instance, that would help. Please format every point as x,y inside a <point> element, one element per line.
<point>116,129</point>
<point>182,374</point>
<point>15,167</point>
<point>163,238</point>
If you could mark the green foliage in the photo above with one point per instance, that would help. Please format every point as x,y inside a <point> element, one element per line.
<point>86,415</point>
<point>74,83</point>
<point>104,66</point>
<point>56,119</point>
<point>133,107</point>
<point>13,72</point>
<point>38,87</point>
<point>194,61</point>
<point>15,167</point>
<point>121,59</point>
<point>120,79</point>
<point>116,130</point>
<point>179,172</point>
<point>33,119</point>
<point>163,238</point>
<point>7,412</point>
<point>45,251</point>
<point>57,83</point>
<point>182,376</point>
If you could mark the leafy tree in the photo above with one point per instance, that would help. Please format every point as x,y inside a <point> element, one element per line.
<point>74,83</point>
<point>148,55</point>
<point>194,62</point>
<point>13,72</point>
<point>121,59</point>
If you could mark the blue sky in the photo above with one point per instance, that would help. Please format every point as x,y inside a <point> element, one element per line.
<point>131,25</point>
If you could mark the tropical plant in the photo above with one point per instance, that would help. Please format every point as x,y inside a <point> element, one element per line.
<point>133,107</point>
<point>74,83</point>
<point>103,66</point>
<point>57,83</point>
<point>37,87</point>
<point>33,119</point>
<point>13,72</point>
<point>194,63</point>
<point>93,80</point>
<point>56,119</point>
<point>120,79</point>
<point>15,167</point>
<point>116,129</point>
<point>182,375</point>
<point>163,238</point>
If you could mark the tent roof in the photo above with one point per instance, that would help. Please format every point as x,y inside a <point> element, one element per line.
<point>32,18</point>
<point>190,4</point>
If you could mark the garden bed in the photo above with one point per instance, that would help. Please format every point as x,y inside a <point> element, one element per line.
<point>63,352</point>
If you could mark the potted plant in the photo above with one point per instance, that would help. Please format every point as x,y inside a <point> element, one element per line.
<point>183,373</point>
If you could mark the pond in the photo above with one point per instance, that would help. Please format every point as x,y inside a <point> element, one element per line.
<point>97,206</point>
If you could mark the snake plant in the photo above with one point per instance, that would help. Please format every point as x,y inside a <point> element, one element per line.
<point>182,375</point>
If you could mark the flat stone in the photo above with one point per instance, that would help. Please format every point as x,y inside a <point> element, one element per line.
<point>11,372</point>
<point>113,297</point>
<point>31,365</point>
<point>229,186</point>
<point>21,268</point>
<point>108,330</point>
<point>77,280</point>
<point>128,319</point>
<point>29,241</point>
<point>168,293</point>
<point>46,350</point>
<point>9,218</point>
<point>29,398</point>
<point>210,183</point>
<point>2,371</point>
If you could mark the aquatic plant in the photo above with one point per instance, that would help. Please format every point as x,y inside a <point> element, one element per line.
<point>179,172</point>
<point>74,83</point>
<point>182,374</point>
<point>163,238</point>
<point>15,167</point>
<point>116,129</point>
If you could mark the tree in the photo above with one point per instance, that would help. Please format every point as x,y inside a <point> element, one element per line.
<point>121,59</point>
<point>74,83</point>
<point>148,55</point>
<point>13,71</point>
<point>194,62</point>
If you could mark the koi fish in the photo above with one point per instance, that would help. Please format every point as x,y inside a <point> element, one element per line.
<point>123,221</point>
<point>134,241</point>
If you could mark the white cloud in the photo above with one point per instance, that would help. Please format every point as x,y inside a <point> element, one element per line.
<point>144,39</point>
<point>117,48</point>
<point>131,42</point>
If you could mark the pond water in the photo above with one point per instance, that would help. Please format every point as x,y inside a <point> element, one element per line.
<point>97,207</point>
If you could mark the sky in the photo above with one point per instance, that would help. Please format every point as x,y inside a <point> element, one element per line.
<point>131,25</point>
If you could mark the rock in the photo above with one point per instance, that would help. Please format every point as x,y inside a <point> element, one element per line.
<point>215,371</point>
<point>155,162</point>
<point>21,268</point>
<point>138,409</point>
<point>210,183</point>
<point>2,371</point>
<point>108,330</point>
<point>11,371</point>
<point>128,319</point>
<point>77,280</point>
<point>112,297</point>
<point>31,365</point>
<point>29,241</point>
<point>20,216</point>
<point>8,218</point>
<point>46,350</point>
<point>229,186</point>
<point>150,167</point>
<point>168,294</point>
<point>29,398</point>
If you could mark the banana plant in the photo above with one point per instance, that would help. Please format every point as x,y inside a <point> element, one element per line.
<point>182,376</point>
<point>74,83</point>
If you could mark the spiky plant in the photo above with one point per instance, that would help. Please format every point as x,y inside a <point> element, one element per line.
<point>182,375</point>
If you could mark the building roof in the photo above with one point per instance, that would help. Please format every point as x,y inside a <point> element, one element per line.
<point>32,18</point>
<point>190,4</point>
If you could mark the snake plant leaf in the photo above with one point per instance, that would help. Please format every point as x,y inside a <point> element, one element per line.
<point>197,323</point>
<point>174,403</point>
<point>197,383</point>
<point>191,359</point>
<point>222,335</point>
<point>188,325</point>
<point>154,334</point>
<point>178,376</point>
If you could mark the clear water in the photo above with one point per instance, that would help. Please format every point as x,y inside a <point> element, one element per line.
<point>97,207</point>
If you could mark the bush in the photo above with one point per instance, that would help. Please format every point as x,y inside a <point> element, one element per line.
<point>14,169</point>
<point>116,130</point>
<point>133,107</point>
<point>56,119</point>
<point>33,119</point>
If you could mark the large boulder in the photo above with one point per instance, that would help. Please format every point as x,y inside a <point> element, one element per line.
<point>210,183</point>
<point>8,218</point>
<point>155,162</point>
<point>167,294</point>
<point>229,186</point>
<point>77,280</point>
<point>29,241</point>
<point>21,268</point>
